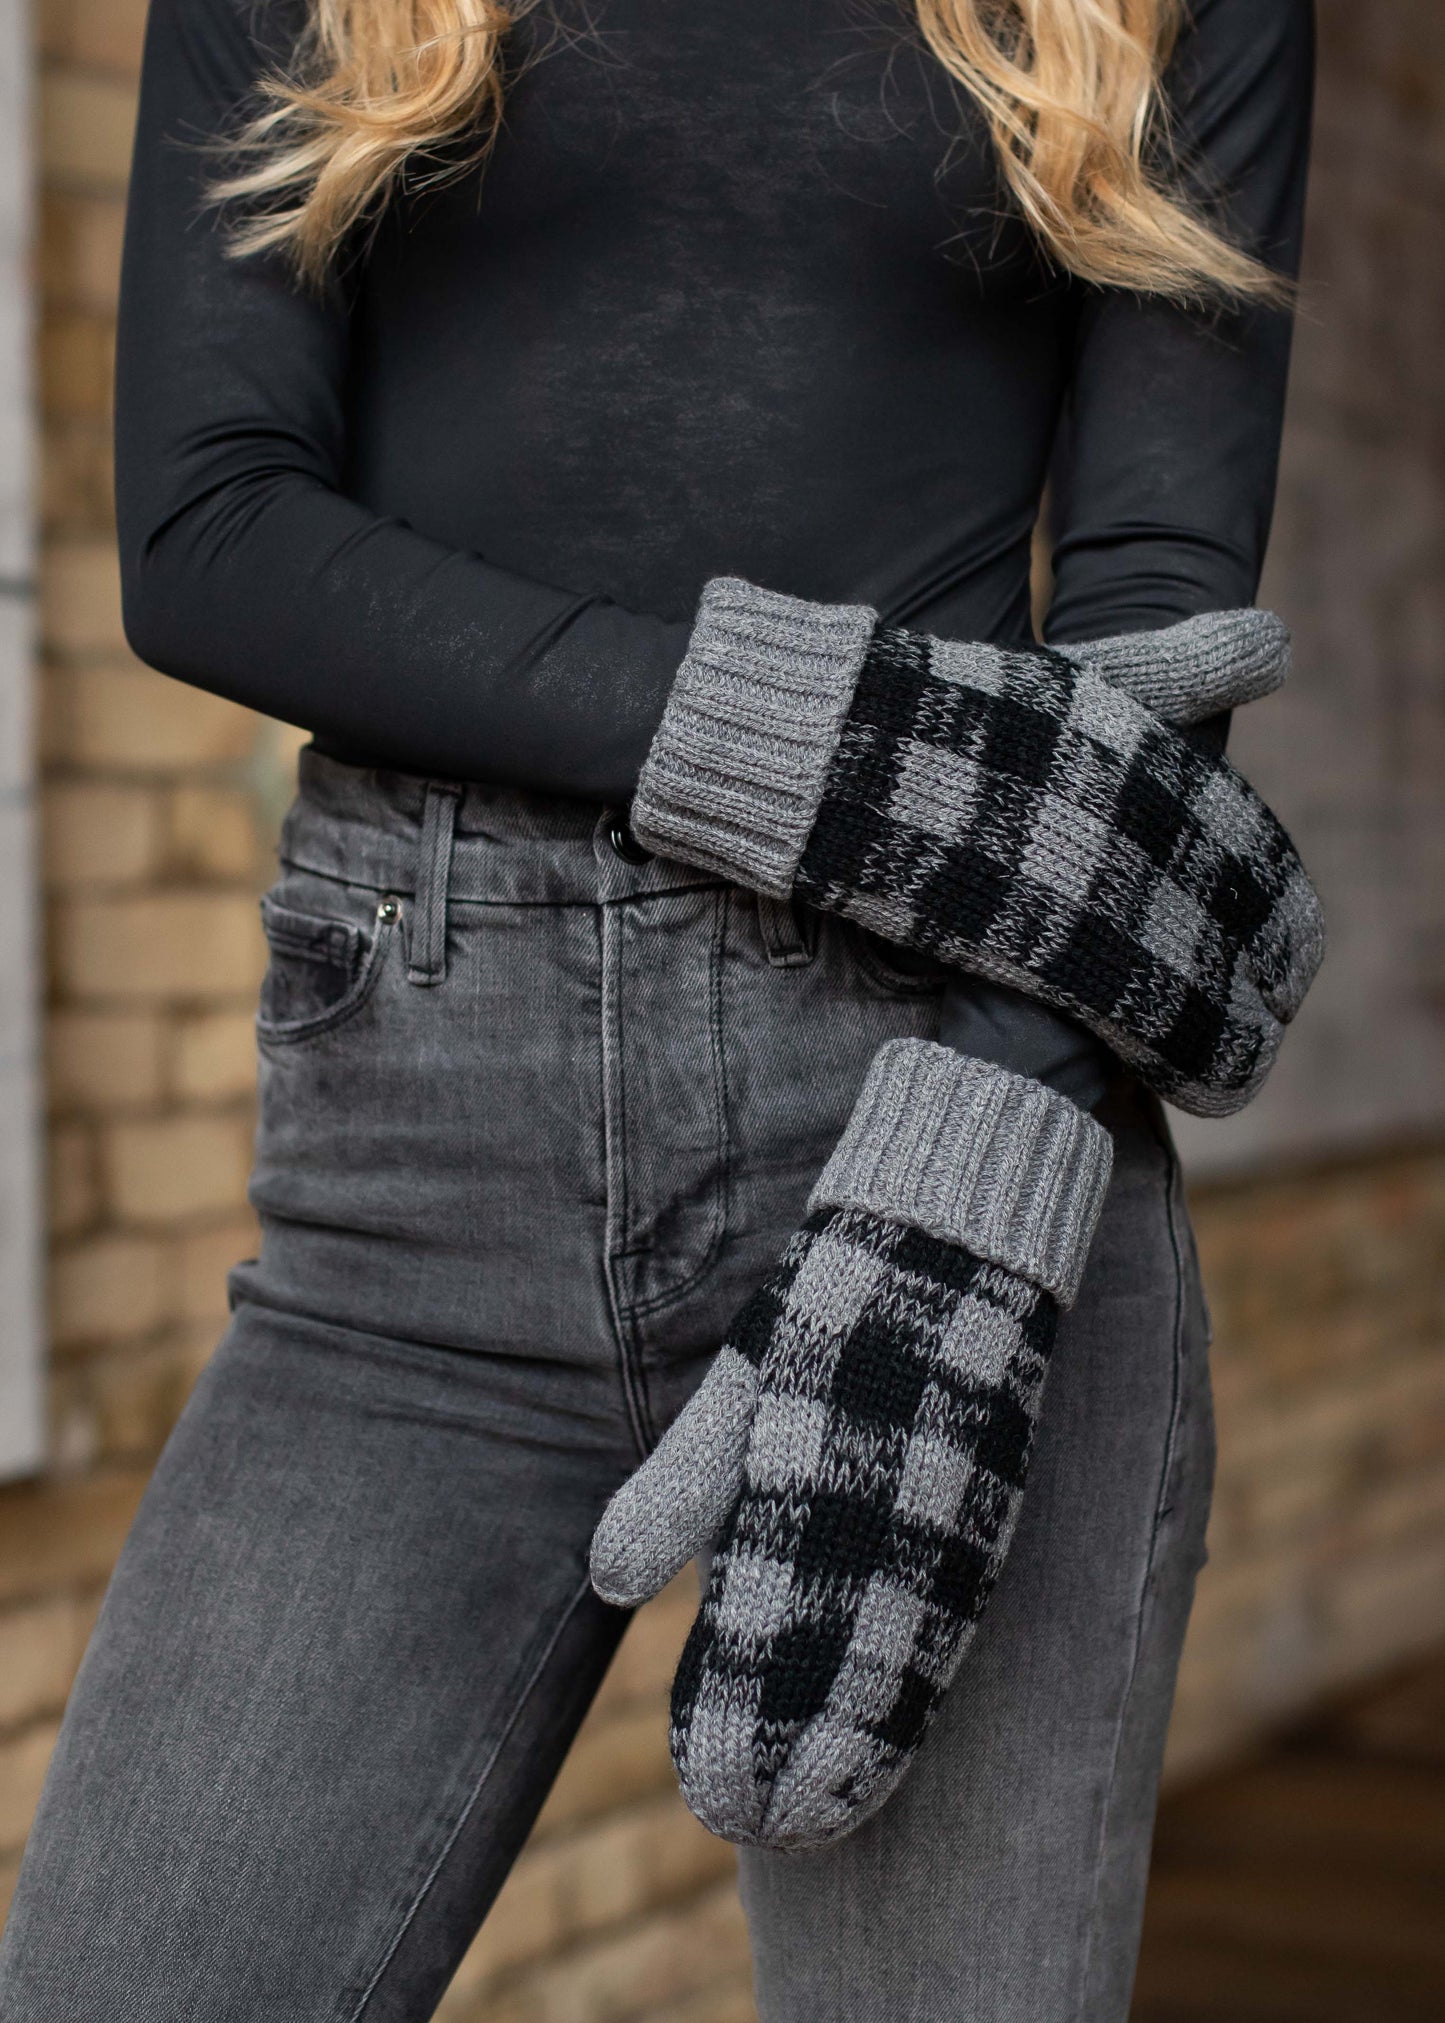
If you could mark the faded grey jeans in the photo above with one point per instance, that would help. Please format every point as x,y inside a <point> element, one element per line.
<point>535,1119</point>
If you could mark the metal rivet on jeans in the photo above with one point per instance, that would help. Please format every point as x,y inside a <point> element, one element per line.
<point>389,912</point>
<point>624,844</point>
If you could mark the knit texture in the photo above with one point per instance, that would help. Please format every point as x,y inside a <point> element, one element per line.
<point>988,1160</point>
<point>899,1383</point>
<point>1018,817</point>
<point>734,776</point>
<point>1025,815</point>
<point>676,1504</point>
<point>858,1452</point>
<point>1193,670</point>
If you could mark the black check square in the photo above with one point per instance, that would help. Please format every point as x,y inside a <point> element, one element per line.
<point>1018,817</point>
<point>900,1383</point>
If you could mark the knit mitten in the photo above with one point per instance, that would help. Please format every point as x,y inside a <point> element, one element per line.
<point>1015,812</point>
<point>858,1449</point>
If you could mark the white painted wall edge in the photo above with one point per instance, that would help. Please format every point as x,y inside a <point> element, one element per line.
<point>22,1342</point>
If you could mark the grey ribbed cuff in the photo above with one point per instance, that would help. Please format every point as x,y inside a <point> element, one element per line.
<point>1000,1165</point>
<point>1193,670</point>
<point>735,774</point>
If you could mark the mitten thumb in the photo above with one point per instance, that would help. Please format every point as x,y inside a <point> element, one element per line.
<point>1193,670</point>
<point>678,1501</point>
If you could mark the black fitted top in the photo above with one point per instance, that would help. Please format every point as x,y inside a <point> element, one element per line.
<point>737,293</point>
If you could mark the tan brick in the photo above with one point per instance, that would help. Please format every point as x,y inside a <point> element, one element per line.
<point>1236,1594</point>
<point>100,34</point>
<point>213,1054</point>
<point>665,1960</point>
<point>87,1613</point>
<point>636,1863</point>
<point>194,1343</point>
<point>74,1446</point>
<point>105,1288</point>
<point>206,1255</point>
<point>9,1876</point>
<point>167,1168</point>
<point>77,364</point>
<point>213,833</point>
<point>23,1762</point>
<point>730,2001</point>
<point>611,1763</point>
<point>1283,1503</point>
<point>621,1867</point>
<point>166,945</point>
<point>41,1644</point>
<point>524,1924</point>
<point>72,1184</point>
<point>1390,1601</point>
<point>80,598</point>
<point>80,247</point>
<point>86,125</point>
<point>56,1534</point>
<point>103,1060</point>
<point>648,1655</point>
<point>77,480</point>
<point>98,834</point>
<point>122,1405</point>
<point>123,716</point>
<point>1348,1419</point>
<point>1400,1510</point>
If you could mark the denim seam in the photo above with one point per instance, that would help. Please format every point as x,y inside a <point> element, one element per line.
<point>722,1144</point>
<point>1162,1506</point>
<point>405,890</point>
<point>614,1165</point>
<point>529,1685</point>
<point>299,1032</point>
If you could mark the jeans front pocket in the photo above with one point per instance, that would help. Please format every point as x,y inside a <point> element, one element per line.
<point>890,967</point>
<point>323,966</point>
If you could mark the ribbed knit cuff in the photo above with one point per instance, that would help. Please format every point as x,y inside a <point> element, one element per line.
<point>1193,670</point>
<point>735,774</point>
<point>1002,1166</point>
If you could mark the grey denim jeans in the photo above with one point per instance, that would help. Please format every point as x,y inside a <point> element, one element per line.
<point>535,1119</point>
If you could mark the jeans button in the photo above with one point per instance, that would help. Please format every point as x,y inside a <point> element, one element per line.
<point>624,844</point>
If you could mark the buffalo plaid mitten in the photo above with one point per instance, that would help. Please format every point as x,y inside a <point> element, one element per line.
<point>1020,813</point>
<point>858,1448</point>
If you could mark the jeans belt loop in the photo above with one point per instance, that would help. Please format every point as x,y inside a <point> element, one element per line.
<point>785,938</point>
<point>427,942</point>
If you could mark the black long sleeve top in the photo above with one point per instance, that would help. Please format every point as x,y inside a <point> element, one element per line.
<point>738,292</point>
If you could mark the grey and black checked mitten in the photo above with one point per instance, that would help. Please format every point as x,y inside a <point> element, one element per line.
<point>858,1448</point>
<point>1023,814</point>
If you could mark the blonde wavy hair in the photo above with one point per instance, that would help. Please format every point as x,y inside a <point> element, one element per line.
<point>386,89</point>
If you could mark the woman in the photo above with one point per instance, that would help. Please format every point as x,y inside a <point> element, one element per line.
<point>436,460</point>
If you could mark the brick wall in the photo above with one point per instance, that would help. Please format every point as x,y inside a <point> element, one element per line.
<point>1327,1546</point>
<point>1328,1285</point>
<point>150,862</point>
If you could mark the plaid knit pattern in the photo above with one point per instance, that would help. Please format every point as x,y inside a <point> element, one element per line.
<point>1022,819</point>
<point>898,1384</point>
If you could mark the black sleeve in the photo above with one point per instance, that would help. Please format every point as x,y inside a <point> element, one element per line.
<point>1165,479</point>
<point>992,1023</point>
<point>244,567</point>
<point>1165,476</point>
